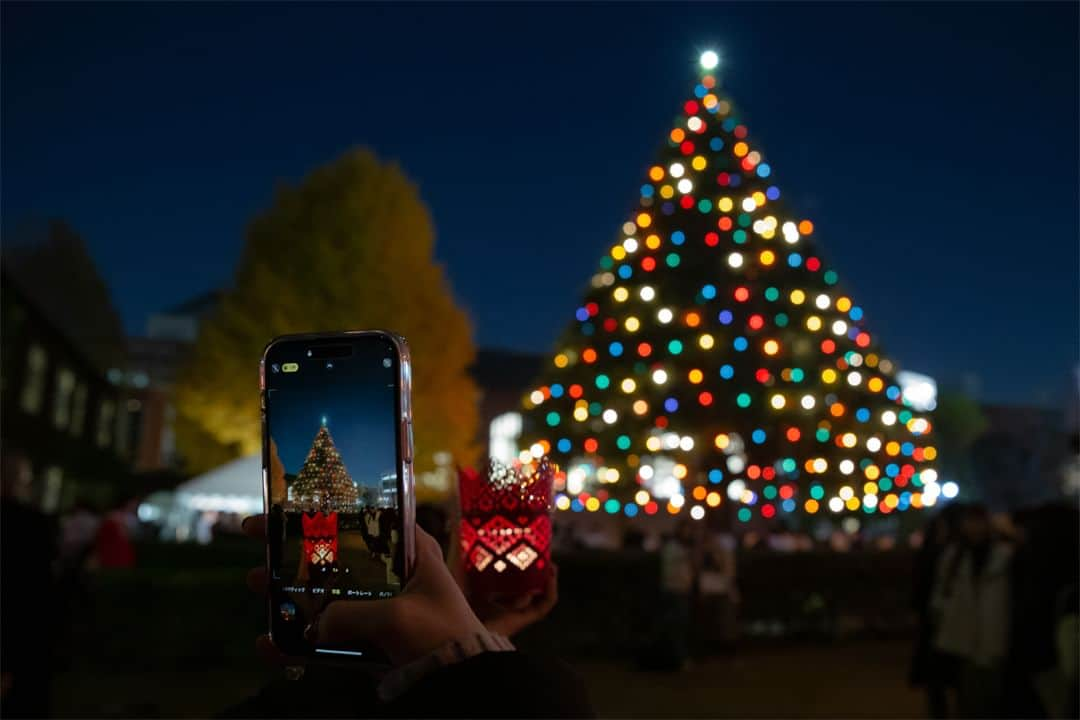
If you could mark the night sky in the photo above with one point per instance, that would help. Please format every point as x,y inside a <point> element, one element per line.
<point>934,146</point>
<point>359,412</point>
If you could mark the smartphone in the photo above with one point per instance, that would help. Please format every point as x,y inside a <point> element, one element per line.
<point>337,477</point>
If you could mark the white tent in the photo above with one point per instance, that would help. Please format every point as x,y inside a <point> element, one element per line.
<point>234,487</point>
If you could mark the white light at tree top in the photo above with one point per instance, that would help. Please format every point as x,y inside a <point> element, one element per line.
<point>709,60</point>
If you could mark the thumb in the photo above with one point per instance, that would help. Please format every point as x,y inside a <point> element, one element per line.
<point>348,623</point>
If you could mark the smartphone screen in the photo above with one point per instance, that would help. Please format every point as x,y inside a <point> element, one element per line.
<point>333,458</point>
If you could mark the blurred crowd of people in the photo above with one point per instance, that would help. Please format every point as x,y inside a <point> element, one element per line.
<point>996,598</point>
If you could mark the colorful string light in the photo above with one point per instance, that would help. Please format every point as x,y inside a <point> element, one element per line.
<point>716,360</point>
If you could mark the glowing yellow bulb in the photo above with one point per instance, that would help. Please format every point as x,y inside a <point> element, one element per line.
<point>618,252</point>
<point>798,297</point>
<point>536,397</point>
<point>771,347</point>
<point>872,473</point>
<point>724,204</point>
<point>640,407</point>
<point>679,471</point>
<point>652,242</point>
<point>758,198</point>
<point>706,341</point>
<point>930,452</point>
<point>581,414</point>
<point>656,173</point>
<point>843,304</point>
<point>698,163</point>
<point>852,503</point>
<point>641,497</point>
<point>632,324</point>
<point>767,257</point>
<point>628,385</point>
<point>561,360</point>
<point>644,220</point>
<point>653,444</point>
<point>820,465</point>
<point>721,441</point>
<point>667,192</point>
<point>740,149</point>
<point>892,448</point>
<point>828,376</point>
<point>563,503</point>
<point>813,323</point>
<point>871,360</point>
<point>696,376</point>
<point>620,294</point>
<point>870,488</point>
<point>875,384</point>
<point>778,402</point>
<point>712,499</point>
<point>592,504</point>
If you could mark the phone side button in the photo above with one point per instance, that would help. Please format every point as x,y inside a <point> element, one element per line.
<point>406,441</point>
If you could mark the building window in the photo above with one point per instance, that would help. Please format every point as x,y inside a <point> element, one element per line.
<point>50,495</point>
<point>78,410</point>
<point>503,437</point>
<point>65,386</point>
<point>106,418</point>
<point>34,384</point>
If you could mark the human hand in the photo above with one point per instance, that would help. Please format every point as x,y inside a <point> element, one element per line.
<point>430,612</point>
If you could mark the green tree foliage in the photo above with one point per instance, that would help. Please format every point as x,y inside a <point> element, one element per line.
<point>349,247</point>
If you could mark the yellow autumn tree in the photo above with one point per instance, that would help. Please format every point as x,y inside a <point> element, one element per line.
<point>349,247</point>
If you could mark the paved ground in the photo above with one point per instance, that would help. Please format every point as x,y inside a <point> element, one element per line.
<point>860,680</point>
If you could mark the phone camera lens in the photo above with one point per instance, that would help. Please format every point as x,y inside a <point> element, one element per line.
<point>387,362</point>
<point>329,365</point>
<point>276,368</point>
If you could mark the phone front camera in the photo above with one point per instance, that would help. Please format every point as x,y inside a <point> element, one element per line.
<point>329,365</point>
<point>387,362</point>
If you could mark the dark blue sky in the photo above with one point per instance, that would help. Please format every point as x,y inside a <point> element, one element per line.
<point>935,147</point>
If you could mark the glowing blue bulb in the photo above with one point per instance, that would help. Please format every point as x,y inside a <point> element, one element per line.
<point>862,415</point>
<point>671,404</point>
<point>716,144</point>
<point>582,314</point>
<point>615,348</point>
<point>716,476</point>
<point>773,193</point>
<point>763,170</point>
<point>794,259</point>
<point>727,372</point>
<point>725,317</point>
<point>630,509</point>
<point>740,344</point>
<point>758,436</point>
<point>577,505</point>
<point>788,505</point>
<point>625,271</point>
<point>647,191</point>
<point>708,292</point>
<point>855,313</point>
<point>556,390</point>
<point>563,445</point>
<point>678,238</point>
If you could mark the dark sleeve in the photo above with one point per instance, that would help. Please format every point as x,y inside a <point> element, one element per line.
<point>497,684</point>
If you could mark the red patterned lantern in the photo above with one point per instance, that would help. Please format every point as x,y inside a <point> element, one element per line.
<point>320,538</point>
<point>506,526</point>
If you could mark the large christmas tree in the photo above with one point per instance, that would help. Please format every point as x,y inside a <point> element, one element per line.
<point>717,359</point>
<point>323,483</point>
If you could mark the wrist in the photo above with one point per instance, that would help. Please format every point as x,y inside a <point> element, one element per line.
<point>482,640</point>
